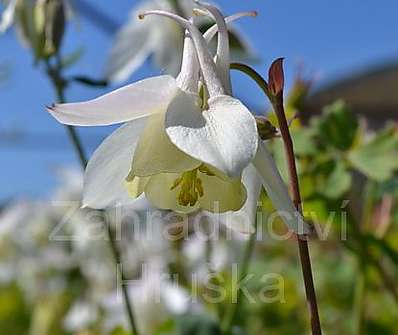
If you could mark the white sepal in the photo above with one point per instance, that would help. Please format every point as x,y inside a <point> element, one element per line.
<point>277,191</point>
<point>143,98</point>
<point>104,179</point>
<point>244,220</point>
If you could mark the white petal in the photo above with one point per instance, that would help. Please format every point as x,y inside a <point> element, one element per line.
<point>7,18</point>
<point>143,98</point>
<point>244,220</point>
<point>277,190</point>
<point>222,57</point>
<point>207,65</point>
<point>104,179</point>
<point>224,136</point>
<point>188,77</point>
<point>156,154</point>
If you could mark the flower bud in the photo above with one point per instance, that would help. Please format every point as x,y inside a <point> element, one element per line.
<point>276,79</point>
<point>50,26</point>
<point>40,25</point>
<point>265,128</point>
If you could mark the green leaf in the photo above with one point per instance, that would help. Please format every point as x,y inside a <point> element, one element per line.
<point>338,182</point>
<point>119,331</point>
<point>198,324</point>
<point>338,126</point>
<point>384,247</point>
<point>303,142</point>
<point>15,315</point>
<point>167,327</point>
<point>377,159</point>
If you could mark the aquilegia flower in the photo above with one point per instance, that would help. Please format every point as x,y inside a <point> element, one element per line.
<point>137,41</point>
<point>39,24</point>
<point>7,17</point>
<point>186,143</point>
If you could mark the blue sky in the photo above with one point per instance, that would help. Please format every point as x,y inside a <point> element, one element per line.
<point>330,38</point>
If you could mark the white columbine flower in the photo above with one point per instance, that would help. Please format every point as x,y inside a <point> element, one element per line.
<point>137,41</point>
<point>184,151</point>
<point>7,17</point>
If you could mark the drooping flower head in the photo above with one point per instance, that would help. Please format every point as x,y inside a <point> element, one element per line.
<point>195,140</point>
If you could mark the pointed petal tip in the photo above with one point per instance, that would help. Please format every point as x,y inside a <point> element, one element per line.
<point>50,108</point>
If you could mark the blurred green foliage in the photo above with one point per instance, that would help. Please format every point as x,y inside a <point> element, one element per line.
<point>347,175</point>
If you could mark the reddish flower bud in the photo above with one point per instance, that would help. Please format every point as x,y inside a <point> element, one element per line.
<point>276,79</point>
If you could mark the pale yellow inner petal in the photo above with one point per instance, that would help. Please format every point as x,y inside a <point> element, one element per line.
<point>222,195</point>
<point>158,191</point>
<point>194,189</point>
<point>136,185</point>
<point>156,154</point>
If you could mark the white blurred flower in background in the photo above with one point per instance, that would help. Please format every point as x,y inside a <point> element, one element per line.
<point>39,24</point>
<point>162,40</point>
<point>75,258</point>
<point>156,299</point>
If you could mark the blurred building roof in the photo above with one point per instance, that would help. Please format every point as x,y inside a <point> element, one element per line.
<point>372,93</point>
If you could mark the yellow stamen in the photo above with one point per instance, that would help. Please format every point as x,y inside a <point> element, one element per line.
<point>191,187</point>
<point>204,169</point>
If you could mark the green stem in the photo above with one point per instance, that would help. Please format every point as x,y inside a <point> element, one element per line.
<point>362,258</point>
<point>59,86</point>
<point>118,261</point>
<point>305,260</point>
<point>359,303</point>
<point>232,312</point>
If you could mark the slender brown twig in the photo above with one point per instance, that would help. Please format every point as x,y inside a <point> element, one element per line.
<point>275,94</point>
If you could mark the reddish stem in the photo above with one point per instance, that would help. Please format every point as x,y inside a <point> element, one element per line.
<point>277,103</point>
<point>275,95</point>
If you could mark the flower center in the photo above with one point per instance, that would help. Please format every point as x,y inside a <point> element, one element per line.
<point>190,185</point>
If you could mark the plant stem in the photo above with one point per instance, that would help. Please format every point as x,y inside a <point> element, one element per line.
<point>118,261</point>
<point>232,312</point>
<point>301,239</point>
<point>359,303</point>
<point>59,86</point>
<point>360,284</point>
<point>305,259</point>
